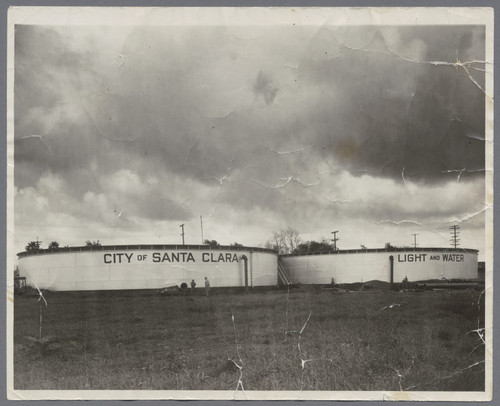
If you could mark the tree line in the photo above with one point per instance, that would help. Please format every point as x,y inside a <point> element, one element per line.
<point>288,241</point>
<point>53,245</point>
<point>284,241</point>
<point>36,245</point>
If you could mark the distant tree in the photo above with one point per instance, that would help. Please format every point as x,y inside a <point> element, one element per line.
<point>302,248</point>
<point>285,241</point>
<point>211,243</point>
<point>363,247</point>
<point>389,246</point>
<point>313,246</point>
<point>276,242</point>
<point>33,246</point>
<point>236,245</point>
<point>53,245</point>
<point>89,243</point>
<point>269,245</point>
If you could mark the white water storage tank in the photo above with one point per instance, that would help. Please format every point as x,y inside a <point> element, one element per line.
<point>349,266</point>
<point>146,267</point>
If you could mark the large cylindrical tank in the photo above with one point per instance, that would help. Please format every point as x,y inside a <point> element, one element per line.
<point>146,267</point>
<point>351,266</point>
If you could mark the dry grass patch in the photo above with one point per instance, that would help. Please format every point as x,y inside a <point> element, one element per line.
<point>302,340</point>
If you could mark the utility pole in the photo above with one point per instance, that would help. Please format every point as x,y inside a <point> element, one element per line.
<point>414,240</point>
<point>182,233</point>
<point>335,239</point>
<point>455,241</point>
<point>201,224</point>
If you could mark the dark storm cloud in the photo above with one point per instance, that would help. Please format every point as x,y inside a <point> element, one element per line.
<point>39,56</point>
<point>188,103</point>
<point>376,112</point>
<point>397,114</point>
<point>143,112</point>
<point>264,87</point>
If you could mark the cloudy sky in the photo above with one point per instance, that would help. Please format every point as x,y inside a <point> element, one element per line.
<point>124,133</point>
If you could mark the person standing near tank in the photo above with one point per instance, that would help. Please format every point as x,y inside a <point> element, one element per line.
<point>207,287</point>
<point>193,285</point>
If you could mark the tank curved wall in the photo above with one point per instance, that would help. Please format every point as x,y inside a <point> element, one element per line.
<point>143,267</point>
<point>362,266</point>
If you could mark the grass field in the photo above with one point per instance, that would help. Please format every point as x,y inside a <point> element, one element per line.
<point>276,340</point>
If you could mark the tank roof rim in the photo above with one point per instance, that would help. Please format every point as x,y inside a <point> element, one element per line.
<point>99,248</point>
<point>381,250</point>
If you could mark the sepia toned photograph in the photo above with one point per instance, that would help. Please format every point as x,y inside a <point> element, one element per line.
<point>262,203</point>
